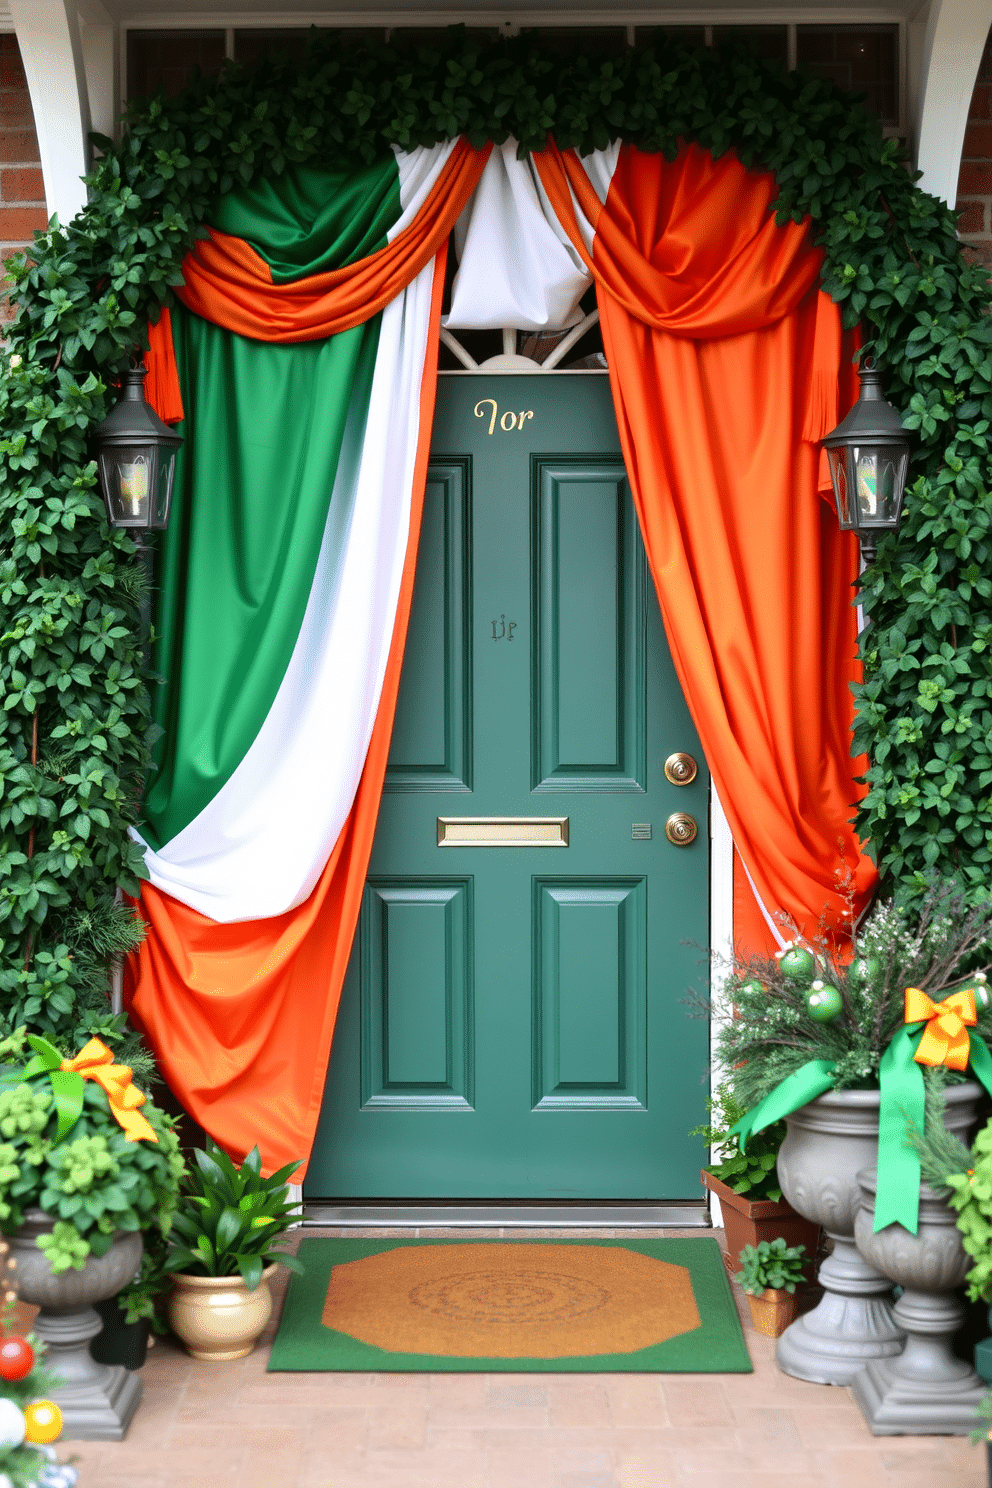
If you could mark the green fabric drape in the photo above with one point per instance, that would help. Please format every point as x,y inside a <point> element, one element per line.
<point>263,434</point>
<point>263,437</point>
<point>308,221</point>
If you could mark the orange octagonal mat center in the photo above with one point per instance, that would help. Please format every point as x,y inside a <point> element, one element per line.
<point>511,1301</point>
<point>510,1304</point>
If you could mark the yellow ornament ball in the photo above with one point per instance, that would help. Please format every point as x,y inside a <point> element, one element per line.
<point>42,1421</point>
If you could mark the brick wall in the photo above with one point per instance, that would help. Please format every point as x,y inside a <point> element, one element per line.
<point>22,191</point>
<point>975,180</point>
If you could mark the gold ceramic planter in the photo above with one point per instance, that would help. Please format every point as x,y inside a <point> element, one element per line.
<point>217,1317</point>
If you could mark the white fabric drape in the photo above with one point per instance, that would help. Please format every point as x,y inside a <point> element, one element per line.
<point>259,846</point>
<point>516,264</point>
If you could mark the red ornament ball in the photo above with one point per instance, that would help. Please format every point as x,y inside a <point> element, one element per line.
<point>16,1357</point>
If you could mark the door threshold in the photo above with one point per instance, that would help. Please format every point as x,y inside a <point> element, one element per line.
<point>674,1214</point>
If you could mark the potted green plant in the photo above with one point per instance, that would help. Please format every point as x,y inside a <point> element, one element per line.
<point>746,1183</point>
<point>964,1177</point>
<point>983,1432</point>
<point>223,1256</point>
<point>805,1033</point>
<point>770,1272</point>
<point>87,1164</point>
<point>135,1313</point>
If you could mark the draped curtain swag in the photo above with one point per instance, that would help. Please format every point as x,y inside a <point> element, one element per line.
<point>288,569</point>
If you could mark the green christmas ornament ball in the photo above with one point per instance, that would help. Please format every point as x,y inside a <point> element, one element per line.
<point>752,987</point>
<point>864,971</point>
<point>797,964</point>
<point>825,1003</point>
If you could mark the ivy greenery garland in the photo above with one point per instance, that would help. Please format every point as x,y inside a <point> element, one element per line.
<point>74,736</point>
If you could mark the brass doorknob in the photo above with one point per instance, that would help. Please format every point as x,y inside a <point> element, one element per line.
<point>681,769</point>
<point>681,829</point>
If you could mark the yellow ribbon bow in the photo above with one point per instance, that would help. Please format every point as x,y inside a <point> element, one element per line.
<point>945,1038</point>
<point>95,1062</point>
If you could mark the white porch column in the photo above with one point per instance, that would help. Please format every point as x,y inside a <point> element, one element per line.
<point>955,40</point>
<point>51,50</point>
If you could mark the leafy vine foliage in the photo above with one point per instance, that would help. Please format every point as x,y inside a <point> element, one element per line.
<point>74,742</point>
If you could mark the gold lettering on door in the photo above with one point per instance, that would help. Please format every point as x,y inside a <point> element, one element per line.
<point>508,421</point>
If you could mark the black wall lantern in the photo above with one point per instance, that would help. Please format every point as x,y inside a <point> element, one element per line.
<point>868,453</point>
<point>136,455</point>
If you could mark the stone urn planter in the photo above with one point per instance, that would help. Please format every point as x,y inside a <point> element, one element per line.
<point>925,1390</point>
<point>217,1317</point>
<point>97,1401</point>
<point>828,1142</point>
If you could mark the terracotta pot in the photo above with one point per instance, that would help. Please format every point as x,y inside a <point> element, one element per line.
<point>773,1311</point>
<point>217,1317</point>
<point>746,1221</point>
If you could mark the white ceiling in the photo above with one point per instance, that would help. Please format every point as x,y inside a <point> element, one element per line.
<point>286,12</point>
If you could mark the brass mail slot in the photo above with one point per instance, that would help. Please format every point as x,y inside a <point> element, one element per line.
<point>502,831</point>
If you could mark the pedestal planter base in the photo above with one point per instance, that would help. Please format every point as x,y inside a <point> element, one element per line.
<point>97,1401</point>
<point>927,1390</point>
<point>853,1324</point>
<point>895,1406</point>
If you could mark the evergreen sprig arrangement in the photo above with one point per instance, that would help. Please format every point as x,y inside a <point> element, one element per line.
<point>74,715</point>
<point>772,1006</point>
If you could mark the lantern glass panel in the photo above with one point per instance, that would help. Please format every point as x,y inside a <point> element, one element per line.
<point>837,460</point>
<point>163,489</point>
<point>129,479</point>
<point>877,483</point>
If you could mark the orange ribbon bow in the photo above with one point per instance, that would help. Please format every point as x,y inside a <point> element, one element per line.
<point>95,1062</point>
<point>945,1038</point>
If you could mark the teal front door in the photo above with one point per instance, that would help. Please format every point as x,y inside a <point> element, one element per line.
<point>513,1024</point>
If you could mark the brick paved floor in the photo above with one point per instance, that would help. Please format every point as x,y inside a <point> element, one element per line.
<point>212,1425</point>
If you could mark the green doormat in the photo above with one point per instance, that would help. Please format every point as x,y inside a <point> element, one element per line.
<point>646,1306</point>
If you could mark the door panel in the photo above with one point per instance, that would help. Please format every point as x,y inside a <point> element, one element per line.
<point>416,979</point>
<point>432,735</point>
<point>588,631</point>
<point>513,1021</point>
<point>590,994</point>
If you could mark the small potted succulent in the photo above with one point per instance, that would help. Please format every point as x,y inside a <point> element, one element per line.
<point>222,1257</point>
<point>746,1183</point>
<point>770,1272</point>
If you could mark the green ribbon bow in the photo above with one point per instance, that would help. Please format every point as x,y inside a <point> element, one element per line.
<point>897,1199</point>
<point>67,1086</point>
<point>796,1090</point>
<point>900,1078</point>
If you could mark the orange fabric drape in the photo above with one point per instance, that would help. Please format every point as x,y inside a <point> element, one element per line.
<point>723,360</point>
<point>230,284</point>
<point>241,1015</point>
<point>162,383</point>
